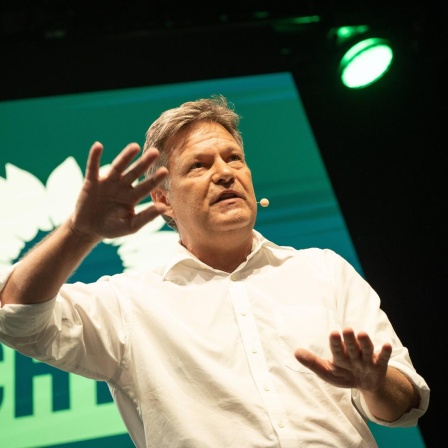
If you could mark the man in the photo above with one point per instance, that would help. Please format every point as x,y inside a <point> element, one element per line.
<point>235,342</point>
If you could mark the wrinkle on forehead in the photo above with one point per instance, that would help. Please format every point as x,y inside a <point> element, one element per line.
<point>209,129</point>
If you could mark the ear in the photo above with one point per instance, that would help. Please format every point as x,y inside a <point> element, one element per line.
<point>161,195</point>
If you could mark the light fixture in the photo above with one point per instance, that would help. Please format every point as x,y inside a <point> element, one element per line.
<point>365,57</point>
<point>365,62</point>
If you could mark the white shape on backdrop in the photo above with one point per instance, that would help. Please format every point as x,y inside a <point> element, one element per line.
<point>29,206</point>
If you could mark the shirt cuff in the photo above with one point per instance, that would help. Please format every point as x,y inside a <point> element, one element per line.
<point>408,419</point>
<point>22,320</point>
<point>25,320</point>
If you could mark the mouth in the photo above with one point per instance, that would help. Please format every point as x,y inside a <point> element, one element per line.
<point>226,196</point>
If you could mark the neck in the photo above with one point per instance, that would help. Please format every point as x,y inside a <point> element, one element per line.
<point>225,253</point>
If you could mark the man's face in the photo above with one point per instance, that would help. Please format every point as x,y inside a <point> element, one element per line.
<point>211,188</point>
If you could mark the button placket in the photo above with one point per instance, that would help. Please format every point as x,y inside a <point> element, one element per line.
<point>256,358</point>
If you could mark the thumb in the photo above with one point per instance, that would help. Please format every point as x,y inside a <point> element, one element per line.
<point>305,357</point>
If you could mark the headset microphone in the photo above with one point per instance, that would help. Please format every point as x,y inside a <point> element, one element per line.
<point>264,202</point>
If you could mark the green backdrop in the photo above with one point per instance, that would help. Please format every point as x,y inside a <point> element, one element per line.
<point>43,148</point>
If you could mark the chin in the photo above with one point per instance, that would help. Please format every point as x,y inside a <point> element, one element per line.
<point>234,223</point>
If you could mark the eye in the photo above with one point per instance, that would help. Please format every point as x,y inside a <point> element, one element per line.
<point>196,165</point>
<point>235,158</point>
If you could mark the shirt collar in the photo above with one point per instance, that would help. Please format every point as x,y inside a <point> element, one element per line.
<point>183,257</point>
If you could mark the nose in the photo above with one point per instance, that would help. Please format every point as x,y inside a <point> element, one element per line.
<point>222,173</point>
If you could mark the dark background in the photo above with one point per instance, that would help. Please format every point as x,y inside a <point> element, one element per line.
<point>384,147</point>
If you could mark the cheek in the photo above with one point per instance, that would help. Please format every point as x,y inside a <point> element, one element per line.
<point>187,201</point>
<point>248,184</point>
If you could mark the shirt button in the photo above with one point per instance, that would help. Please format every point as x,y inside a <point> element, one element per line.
<point>243,312</point>
<point>254,350</point>
<point>234,277</point>
<point>266,388</point>
<point>280,424</point>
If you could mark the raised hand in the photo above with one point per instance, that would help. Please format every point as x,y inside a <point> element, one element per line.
<point>354,363</point>
<point>106,204</point>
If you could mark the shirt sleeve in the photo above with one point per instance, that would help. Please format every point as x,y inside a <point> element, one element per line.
<point>359,307</point>
<point>81,330</point>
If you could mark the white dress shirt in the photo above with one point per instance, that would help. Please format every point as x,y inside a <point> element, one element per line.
<point>199,358</point>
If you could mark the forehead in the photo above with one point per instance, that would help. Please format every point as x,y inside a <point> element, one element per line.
<point>201,136</point>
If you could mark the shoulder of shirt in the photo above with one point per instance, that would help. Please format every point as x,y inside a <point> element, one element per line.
<point>134,275</point>
<point>154,271</point>
<point>291,251</point>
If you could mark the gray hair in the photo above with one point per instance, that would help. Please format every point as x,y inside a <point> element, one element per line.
<point>214,109</point>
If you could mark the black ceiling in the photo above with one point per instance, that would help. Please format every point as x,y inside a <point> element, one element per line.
<point>65,46</point>
<point>36,20</point>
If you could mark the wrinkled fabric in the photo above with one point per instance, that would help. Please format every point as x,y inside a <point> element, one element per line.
<point>196,357</point>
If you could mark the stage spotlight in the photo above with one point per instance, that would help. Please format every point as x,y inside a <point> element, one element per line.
<point>365,62</point>
<point>364,57</point>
